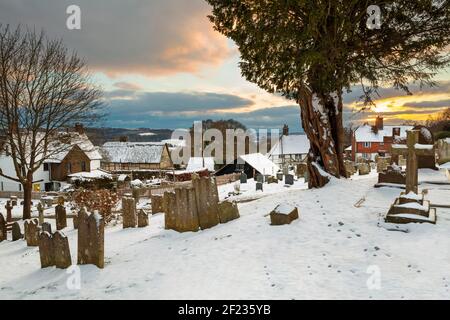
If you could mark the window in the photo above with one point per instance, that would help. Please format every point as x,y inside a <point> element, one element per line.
<point>45,166</point>
<point>367,144</point>
<point>83,166</point>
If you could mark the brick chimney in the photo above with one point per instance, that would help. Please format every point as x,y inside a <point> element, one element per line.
<point>379,123</point>
<point>285,130</point>
<point>79,128</point>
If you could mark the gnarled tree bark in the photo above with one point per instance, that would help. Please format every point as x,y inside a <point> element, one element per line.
<point>322,121</point>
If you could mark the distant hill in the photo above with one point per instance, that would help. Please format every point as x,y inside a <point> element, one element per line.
<point>100,135</point>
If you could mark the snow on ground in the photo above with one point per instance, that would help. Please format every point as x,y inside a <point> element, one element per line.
<point>325,254</point>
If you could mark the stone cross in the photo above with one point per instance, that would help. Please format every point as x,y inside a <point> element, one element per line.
<point>411,151</point>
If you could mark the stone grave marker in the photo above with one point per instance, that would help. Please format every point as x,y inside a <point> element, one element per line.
<point>289,179</point>
<point>13,200</point>
<point>8,208</point>
<point>40,209</point>
<point>16,232</point>
<point>283,214</point>
<point>181,210</point>
<point>129,212</point>
<point>157,203</point>
<point>392,175</point>
<point>61,217</point>
<point>259,186</point>
<point>243,178</point>
<point>383,163</point>
<point>363,169</point>
<point>207,199</point>
<point>32,231</point>
<point>280,176</point>
<point>62,257</point>
<point>272,180</point>
<point>259,178</point>
<point>142,219</point>
<point>301,169</point>
<point>228,211</point>
<point>91,235</point>
<point>46,227</point>
<point>3,232</point>
<point>46,251</point>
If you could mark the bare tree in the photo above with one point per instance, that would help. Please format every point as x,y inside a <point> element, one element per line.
<point>44,88</point>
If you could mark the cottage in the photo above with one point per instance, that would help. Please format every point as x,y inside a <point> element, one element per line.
<point>250,164</point>
<point>72,153</point>
<point>369,141</point>
<point>126,157</point>
<point>290,149</point>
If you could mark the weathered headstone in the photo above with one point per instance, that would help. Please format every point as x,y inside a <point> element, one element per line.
<point>16,232</point>
<point>259,186</point>
<point>32,230</point>
<point>207,199</point>
<point>280,176</point>
<point>301,169</point>
<point>13,200</point>
<point>228,211</point>
<point>61,217</point>
<point>46,227</point>
<point>62,257</point>
<point>129,212</point>
<point>3,232</point>
<point>285,170</point>
<point>75,221</point>
<point>8,208</point>
<point>136,194</point>
<point>46,251</point>
<point>393,174</point>
<point>259,178</point>
<point>243,177</point>
<point>157,204</point>
<point>350,168</point>
<point>40,209</point>
<point>91,234</point>
<point>181,210</point>
<point>383,163</point>
<point>272,180</point>
<point>289,179</point>
<point>283,214</point>
<point>142,219</point>
<point>60,200</point>
<point>363,169</point>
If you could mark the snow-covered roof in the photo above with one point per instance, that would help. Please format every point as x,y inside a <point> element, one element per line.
<point>75,139</point>
<point>349,148</point>
<point>261,163</point>
<point>174,142</point>
<point>292,144</point>
<point>445,166</point>
<point>198,163</point>
<point>93,175</point>
<point>133,152</point>
<point>365,133</point>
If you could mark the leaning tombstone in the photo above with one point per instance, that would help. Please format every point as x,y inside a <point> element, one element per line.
<point>3,232</point>
<point>46,251</point>
<point>91,235</point>
<point>142,219</point>
<point>289,179</point>
<point>129,212</point>
<point>228,211</point>
<point>16,232</point>
<point>243,177</point>
<point>32,230</point>
<point>283,214</point>
<point>61,217</point>
<point>61,251</point>
<point>40,209</point>
<point>259,186</point>
<point>46,227</point>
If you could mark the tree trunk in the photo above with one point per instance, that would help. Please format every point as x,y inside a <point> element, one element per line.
<point>322,122</point>
<point>27,190</point>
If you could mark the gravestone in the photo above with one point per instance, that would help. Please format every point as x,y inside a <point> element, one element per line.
<point>157,203</point>
<point>61,217</point>
<point>272,180</point>
<point>280,176</point>
<point>207,198</point>
<point>243,178</point>
<point>285,170</point>
<point>259,178</point>
<point>129,212</point>
<point>289,179</point>
<point>393,174</point>
<point>32,230</point>
<point>181,212</point>
<point>13,200</point>
<point>142,219</point>
<point>75,220</point>
<point>62,257</point>
<point>136,192</point>
<point>383,163</point>
<point>91,235</point>
<point>16,232</point>
<point>46,227</point>
<point>3,232</point>
<point>40,209</point>
<point>259,186</point>
<point>350,168</point>
<point>228,211</point>
<point>8,208</point>
<point>363,169</point>
<point>46,251</point>
<point>283,214</point>
<point>301,169</point>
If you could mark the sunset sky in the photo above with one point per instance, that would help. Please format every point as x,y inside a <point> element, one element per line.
<point>162,65</point>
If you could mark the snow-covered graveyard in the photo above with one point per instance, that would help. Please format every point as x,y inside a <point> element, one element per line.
<point>339,248</point>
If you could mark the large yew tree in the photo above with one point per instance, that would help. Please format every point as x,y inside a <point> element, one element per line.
<point>313,51</point>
